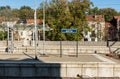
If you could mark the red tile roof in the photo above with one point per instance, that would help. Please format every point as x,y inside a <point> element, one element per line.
<point>117,17</point>
<point>31,21</point>
<point>95,18</point>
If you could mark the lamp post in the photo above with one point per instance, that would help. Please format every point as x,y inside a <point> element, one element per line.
<point>35,23</point>
<point>44,28</point>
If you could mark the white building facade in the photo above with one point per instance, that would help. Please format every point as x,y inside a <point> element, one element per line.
<point>97,26</point>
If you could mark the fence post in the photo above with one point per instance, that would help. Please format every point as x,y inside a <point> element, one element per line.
<point>60,47</point>
<point>77,44</point>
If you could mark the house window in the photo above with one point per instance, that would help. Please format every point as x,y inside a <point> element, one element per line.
<point>93,34</point>
<point>21,33</point>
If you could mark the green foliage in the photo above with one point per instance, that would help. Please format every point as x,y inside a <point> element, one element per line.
<point>5,11</point>
<point>15,13</point>
<point>107,12</point>
<point>61,14</point>
<point>93,11</point>
<point>3,35</point>
<point>26,12</point>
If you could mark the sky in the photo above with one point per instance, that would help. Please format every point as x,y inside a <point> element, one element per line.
<point>19,3</point>
<point>115,4</point>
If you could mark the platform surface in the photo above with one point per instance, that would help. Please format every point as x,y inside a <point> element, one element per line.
<point>82,58</point>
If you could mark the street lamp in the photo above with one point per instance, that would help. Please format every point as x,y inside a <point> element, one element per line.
<point>35,23</point>
<point>44,27</point>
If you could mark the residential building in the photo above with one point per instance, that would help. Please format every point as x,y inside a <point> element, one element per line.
<point>114,29</point>
<point>26,31</point>
<point>31,21</point>
<point>107,26</point>
<point>97,26</point>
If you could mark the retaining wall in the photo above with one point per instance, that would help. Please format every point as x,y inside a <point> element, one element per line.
<point>32,69</point>
<point>67,47</point>
<point>59,70</point>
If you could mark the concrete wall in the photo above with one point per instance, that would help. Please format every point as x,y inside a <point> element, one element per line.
<point>92,70</point>
<point>80,43</point>
<point>65,50</point>
<point>68,47</point>
<point>59,70</point>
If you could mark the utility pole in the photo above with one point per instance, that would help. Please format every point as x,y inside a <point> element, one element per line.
<point>44,27</point>
<point>35,23</point>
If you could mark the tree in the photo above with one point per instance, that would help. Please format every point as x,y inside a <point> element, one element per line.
<point>60,15</point>
<point>26,12</point>
<point>15,13</point>
<point>93,11</point>
<point>108,13</point>
<point>80,7</point>
<point>6,12</point>
<point>3,35</point>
